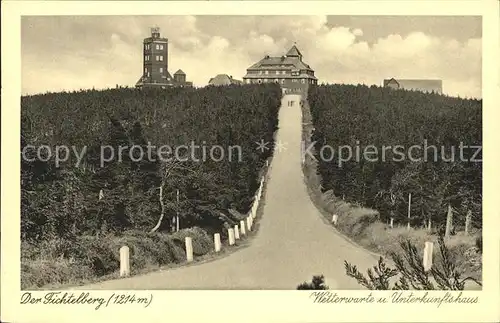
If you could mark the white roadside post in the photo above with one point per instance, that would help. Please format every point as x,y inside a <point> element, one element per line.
<point>242,227</point>
<point>189,249</point>
<point>335,218</point>
<point>230,233</point>
<point>217,242</point>
<point>236,232</point>
<point>428,250</point>
<point>124,262</point>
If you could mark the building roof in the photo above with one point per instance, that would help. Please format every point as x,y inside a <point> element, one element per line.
<point>223,79</point>
<point>294,52</point>
<point>283,62</point>
<point>427,85</point>
<point>179,72</point>
<point>289,62</point>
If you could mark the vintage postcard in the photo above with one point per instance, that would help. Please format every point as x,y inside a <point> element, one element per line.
<point>282,161</point>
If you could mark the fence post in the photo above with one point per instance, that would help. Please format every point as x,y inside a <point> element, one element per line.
<point>335,218</point>
<point>242,227</point>
<point>217,242</point>
<point>236,232</point>
<point>409,210</point>
<point>249,225</point>
<point>253,211</point>
<point>124,261</point>
<point>449,221</point>
<point>467,221</point>
<point>391,224</point>
<point>230,233</point>
<point>189,249</point>
<point>428,250</point>
<point>429,225</point>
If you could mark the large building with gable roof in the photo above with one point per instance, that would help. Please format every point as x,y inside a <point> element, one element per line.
<point>290,71</point>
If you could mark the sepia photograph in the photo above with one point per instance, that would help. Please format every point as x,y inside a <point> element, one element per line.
<point>213,152</point>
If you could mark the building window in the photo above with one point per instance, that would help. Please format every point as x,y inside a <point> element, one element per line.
<point>276,81</point>
<point>157,46</point>
<point>303,81</point>
<point>161,69</point>
<point>161,47</point>
<point>259,81</point>
<point>145,70</point>
<point>161,58</point>
<point>267,72</point>
<point>260,72</point>
<point>282,81</point>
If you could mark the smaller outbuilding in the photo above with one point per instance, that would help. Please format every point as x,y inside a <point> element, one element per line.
<point>223,79</point>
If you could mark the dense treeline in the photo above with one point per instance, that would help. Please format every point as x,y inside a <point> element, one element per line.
<point>360,116</point>
<point>92,197</point>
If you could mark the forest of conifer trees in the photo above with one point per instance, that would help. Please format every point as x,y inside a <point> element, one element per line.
<point>360,116</point>
<point>86,198</point>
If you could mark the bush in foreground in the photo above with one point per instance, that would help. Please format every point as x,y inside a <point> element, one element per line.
<point>318,283</point>
<point>408,274</point>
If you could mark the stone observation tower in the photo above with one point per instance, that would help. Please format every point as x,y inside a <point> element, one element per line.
<point>155,63</point>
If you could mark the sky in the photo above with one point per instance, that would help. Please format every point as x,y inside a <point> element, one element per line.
<point>80,52</point>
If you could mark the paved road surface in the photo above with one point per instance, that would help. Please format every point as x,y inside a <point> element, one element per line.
<point>292,243</point>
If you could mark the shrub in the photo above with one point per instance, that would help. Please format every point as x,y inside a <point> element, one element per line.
<point>444,274</point>
<point>318,282</point>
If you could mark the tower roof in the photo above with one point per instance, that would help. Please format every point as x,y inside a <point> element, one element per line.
<point>294,52</point>
<point>179,72</point>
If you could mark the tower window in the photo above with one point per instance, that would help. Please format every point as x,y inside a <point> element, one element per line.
<point>161,58</point>
<point>161,47</point>
<point>161,69</point>
<point>145,70</point>
<point>157,46</point>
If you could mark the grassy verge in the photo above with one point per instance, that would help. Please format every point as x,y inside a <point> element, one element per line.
<point>362,226</point>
